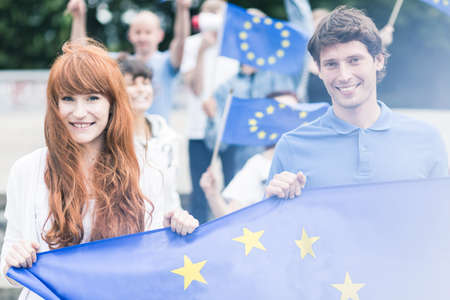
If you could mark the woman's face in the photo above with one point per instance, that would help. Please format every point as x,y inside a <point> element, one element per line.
<point>140,91</point>
<point>85,116</point>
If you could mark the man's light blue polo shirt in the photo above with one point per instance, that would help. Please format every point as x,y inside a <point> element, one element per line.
<point>331,152</point>
<point>163,80</point>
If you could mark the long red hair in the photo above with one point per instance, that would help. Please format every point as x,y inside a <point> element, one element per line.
<point>120,206</point>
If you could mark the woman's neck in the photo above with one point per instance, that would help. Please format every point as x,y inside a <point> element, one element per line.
<point>90,153</point>
<point>89,157</point>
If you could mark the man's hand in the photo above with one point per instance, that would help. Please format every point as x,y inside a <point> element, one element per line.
<point>210,107</point>
<point>184,4</point>
<point>286,185</point>
<point>77,8</point>
<point>209,39</point>
<point>386,35</point>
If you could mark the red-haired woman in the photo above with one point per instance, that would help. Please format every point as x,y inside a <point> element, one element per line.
<point>87,184</point>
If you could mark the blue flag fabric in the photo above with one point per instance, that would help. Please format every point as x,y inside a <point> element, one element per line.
<point>442,5</point>
<point>264,43</point>
<point>261,122</point>
<point>378,241</point>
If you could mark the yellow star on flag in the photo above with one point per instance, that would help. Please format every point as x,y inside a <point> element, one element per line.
<point>259,114</point>
<point>190,271</point>
<point>270,109</point>
<point>349,289</point>
<point>252,122</point>
<point>250,240</point>
<point>305,244</point>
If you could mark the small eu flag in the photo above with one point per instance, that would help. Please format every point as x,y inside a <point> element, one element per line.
<point>262,42</point>
<point>261,122</point>
<point>369,242</point>
<point>442,5</point>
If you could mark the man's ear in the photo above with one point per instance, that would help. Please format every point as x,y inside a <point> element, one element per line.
<point>160,35</point>
<point>319,69</point>
<point>379,61</point>
<point>128,35</point>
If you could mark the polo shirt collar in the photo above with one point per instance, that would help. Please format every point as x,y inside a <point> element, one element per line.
<point>383,122</point>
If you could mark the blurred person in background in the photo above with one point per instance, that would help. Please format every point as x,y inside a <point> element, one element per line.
<point>145,34</point>
<point>252,83</point>
<point>203,71</point>
<point>155,141</point>
<point>247,186</point>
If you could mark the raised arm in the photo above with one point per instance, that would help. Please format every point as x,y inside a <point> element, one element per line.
<point>77,8</point>
<point>209,38</point>
<point>182,29</point>
<point>216,202</point>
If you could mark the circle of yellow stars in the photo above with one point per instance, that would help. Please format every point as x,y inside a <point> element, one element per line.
<point>191,271</point>
<point>278,54</point>
<point>261,134</point>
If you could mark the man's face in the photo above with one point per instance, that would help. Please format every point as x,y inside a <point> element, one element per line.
<point>212,6</point>
<point>349,73</point>
<point>145,34</point>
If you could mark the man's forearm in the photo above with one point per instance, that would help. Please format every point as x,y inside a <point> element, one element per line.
<point>197,76</point>
<point>78,28</point>
<point>182,30</point>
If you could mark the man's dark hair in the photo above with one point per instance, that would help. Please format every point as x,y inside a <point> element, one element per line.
<point>135,68</point>
<point>344,25</point>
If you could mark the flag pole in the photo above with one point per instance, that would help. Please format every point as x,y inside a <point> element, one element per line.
<point>395,11</point>
<point>223,121</point>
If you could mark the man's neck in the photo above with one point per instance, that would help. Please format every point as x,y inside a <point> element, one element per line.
<point>145,56</point>
<point>362,116</point>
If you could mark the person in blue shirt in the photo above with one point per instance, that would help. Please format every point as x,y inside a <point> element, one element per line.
<point>359,139</point>
<point>248,83</point>
<point>145,34</point>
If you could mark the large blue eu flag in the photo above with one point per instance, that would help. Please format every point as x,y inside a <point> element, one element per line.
<point>369,242</point>
<point>261,122</point>
<point>262,42</point>
<point>442,5</point>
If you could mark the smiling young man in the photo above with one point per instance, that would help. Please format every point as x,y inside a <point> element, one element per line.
<point>359,139</point>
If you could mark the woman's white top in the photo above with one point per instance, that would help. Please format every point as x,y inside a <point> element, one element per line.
<point>27,204</point>
<point>161,151</point>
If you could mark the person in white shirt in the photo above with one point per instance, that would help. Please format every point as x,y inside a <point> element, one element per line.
<point>248,185</point>
<point>203,71</point>
<point>85,185</point>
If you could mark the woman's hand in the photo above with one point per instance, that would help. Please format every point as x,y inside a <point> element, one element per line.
<point>21,254</point>
<point>180,221</point>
